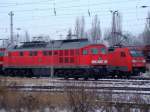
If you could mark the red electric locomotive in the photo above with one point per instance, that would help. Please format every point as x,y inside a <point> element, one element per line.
<point>67,58</point>
<point>125,61</point>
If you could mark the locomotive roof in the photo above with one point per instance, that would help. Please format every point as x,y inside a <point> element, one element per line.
<point>57,44</point>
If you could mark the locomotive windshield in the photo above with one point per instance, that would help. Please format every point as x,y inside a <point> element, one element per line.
<point>136,53</point>
<point>103,51</point>
<point>1,53</point>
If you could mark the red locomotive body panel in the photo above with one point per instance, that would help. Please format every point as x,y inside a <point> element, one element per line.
<point>120,59</point>
<point>93,55</point>
<point>126,60</point>
<point>60,58</point>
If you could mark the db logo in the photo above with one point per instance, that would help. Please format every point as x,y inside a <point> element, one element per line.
<point>99,58</point>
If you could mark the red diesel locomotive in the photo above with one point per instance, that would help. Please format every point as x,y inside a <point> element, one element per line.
<point>74,58</point>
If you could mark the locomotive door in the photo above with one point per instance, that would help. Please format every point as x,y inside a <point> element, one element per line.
<point>85,57</point>
<point>123,60</point>
<point>77,57</point>
<point>55,58</point>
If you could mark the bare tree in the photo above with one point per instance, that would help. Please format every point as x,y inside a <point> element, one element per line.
<point>96,30</point>
<point>80,100</point>
<point>69,36</point>
<point>79,27</point>
<point>82,33</point>
<point>27,36</point>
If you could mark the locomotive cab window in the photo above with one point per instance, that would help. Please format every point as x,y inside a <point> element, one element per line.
<point>47,53</point>
<point>1,53</point>
<point>33,53</point>
<point>135,53</point>
<point>55,52</point>
<point>111,49</point>
<point>20,53</point>
<point>84,52</point>
<point>66,60</point>
<point>61,53</point>
<point>66,52</point>
<point>94,51</point>
<point>103,50</point>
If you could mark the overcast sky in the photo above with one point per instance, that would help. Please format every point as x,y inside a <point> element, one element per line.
<point>37,16</point>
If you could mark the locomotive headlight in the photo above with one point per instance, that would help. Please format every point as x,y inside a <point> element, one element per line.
<point>144,61</point>
<point>105,61</point>
<point>134,61</point>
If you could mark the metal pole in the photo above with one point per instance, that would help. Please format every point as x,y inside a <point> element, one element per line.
<point>11,14</point>
<point>52,62</point>
<point>114,27</point>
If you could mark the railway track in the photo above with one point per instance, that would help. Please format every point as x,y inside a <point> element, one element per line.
<point>115,86</point>
<point>42,81</point>
<point>47,81</point>
<point>99,89</point>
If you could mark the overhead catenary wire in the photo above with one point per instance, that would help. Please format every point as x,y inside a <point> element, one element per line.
<point>66,15</point>
<point>84,5</point>
<point>65,7</point>
<point>50,8</point>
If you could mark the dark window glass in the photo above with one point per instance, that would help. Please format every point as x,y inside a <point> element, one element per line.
<point>66,60</point>
<point>30,53</point>
<point>1,53</point>
<point>33,53</point>
<point>49,53</point>
<point>45,53</point>
<point>94,51</point>
<point>111,49</point>
<point>55,52</point>
<point>21,53</point>
<point>61,53</point>
<point>66,52</point>
<point>136,53</point>
<point>103,50</point>
<point>84,52</point>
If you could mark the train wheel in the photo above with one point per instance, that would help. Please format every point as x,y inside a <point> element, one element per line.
<point>96,78</point>
<point>86,78</point>
<point>76,78</point>
<point>119,76</point>
<point>128,76</point>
